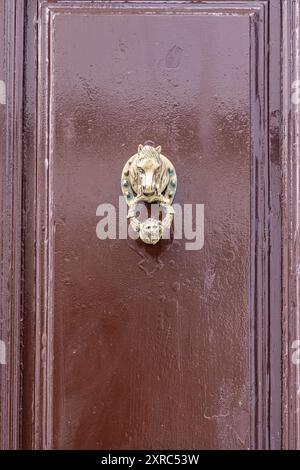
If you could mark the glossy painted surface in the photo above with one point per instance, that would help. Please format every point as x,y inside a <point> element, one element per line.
<point>134,346</point>
<point>144,360</point>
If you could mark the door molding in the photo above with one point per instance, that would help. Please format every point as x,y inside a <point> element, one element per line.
<point>291,218</point>
<point>11,69</point>
<point>280,176</point>
<point>265,292</point>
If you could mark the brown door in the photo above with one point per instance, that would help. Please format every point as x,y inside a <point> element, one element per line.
<point>127,345</point>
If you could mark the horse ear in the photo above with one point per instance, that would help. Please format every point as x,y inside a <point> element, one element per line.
<point>140,148</point>
<point>158,149</point>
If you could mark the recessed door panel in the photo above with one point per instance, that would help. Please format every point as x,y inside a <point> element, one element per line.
<point>141,346</point>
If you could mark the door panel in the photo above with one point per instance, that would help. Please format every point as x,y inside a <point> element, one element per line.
<point>150,346</point>
<point>151,343</point>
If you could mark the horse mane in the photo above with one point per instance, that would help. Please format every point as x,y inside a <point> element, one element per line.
<point>149,152</point>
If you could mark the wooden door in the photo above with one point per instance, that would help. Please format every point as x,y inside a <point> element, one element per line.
<point>125,345</point>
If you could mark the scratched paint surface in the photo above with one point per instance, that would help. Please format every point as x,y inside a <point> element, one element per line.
<point>151,343</point>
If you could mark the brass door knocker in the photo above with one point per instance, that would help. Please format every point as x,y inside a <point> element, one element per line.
<point>149,176</point>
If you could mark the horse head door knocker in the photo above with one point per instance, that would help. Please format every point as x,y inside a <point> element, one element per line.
<point>149,176</point>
